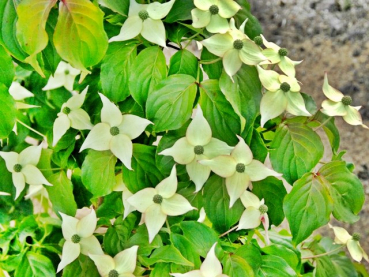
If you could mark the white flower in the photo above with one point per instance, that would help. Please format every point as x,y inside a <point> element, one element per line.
<point>64,76</point>
<point>212,14</point>
<point>116,132</point>
<point>352,243</point>
<point>239,169</point>
<point>197,145</point>
<point>23,168</point>
<point>211,267</point>
<point>20,93</point>
<point>123,264</point>
<point>235,48</point>
<point>145,20</point>
<point>120,186</point>
<point>339,105</point>
<point>71,115</point>
<point>157,203</point>
<point>79,238</point>
<point>283,94</point>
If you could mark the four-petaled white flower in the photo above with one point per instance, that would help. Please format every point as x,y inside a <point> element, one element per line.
<point>213,14</point>
<point>71,115</point>
<point>210,267</point>
<point>197,145</point>
<point>239,169</point>
<point>120,186</point>
<point>157,203</point>
<point>339,105</point>
<point>79,238</point>
<point>64,76</point>
<point>115,132</point>
<point>123,264</point>
<point>235,48</point>
<point>23,168</point>
<point>283,94</point>
<point>145,19</point>
<point>352,243</point>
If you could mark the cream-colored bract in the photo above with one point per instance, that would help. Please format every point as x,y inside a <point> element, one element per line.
<point>120,186</point>
<point>63,77</point>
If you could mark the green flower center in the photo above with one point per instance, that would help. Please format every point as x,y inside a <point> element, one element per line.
<point>214,9</point>
<point>263,209</point>
<point>114,131</point>
<point>17,168</point>
<point>258,40</point>
<point>199,150</point>
<point>240,168</point>
<point>157,199</point>
<point>283,52</point>
<point>76,238</point>
<point>143,15</point>
<point>238,44</point>
<point>346,100</point>
<point>66,72</point>
<point>356,236</point>
<point>66,110</point>
<point>113,273</point>
<point>285,87</point>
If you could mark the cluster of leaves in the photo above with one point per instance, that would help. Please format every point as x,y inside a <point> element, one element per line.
<point>36,35</point>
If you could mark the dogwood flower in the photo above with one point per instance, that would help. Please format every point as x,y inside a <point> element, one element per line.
<point>115,132</point>
<point>339,105</point>
<point>213,14</point>
<point>352,243</point>
<point>283,94</point>
<point>157,203</point>
<point>64,76</point>
<point>120,186</point>
<point>210,267</point>
<point>71,115</point>
<point>145,19</point>
<point>198,144</point>
<point>235,48</point>
<point>255,213</point>
<point>19,93</point>
<point>123,264</point>
<point>23,168</point>
<point>79,238</point>
<point>239,169</point>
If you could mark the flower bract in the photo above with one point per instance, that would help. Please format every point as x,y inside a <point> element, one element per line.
<point>64,76</point>
<point>120,186</point>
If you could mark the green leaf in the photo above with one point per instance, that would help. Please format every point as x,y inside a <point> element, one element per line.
<point>273,192</point>
<point>141,238</point>
<point>116,68</point>
<point>161,270</point>
<point>308,206</point>
<point>79,36</point>
<point>112,205</point>
<point>7,112</point>
<point>167,254</point>
<point>175,32</point>
<point>274,266</point>
<point>187,250</point>
<point>216,205</point>
<point>253,27</point>
<point>169,106</point>
<point>117,6</point>
<point>7,71</point>
<point>257,145</point>
<point>61,194</point>
<point>285,253</point>
<point>235,266</point>
<point>35,265</point>
<point>144,172</point>
<point>295,150</point>
<point>82,267</point>
<point>149,68</point>
<point>213,70</point>
<point>224,122</point>
<point>50,56</point>
<point>98,172</point>
<point>181,10</point>
<point>251,254</point>
<point>183,62</point>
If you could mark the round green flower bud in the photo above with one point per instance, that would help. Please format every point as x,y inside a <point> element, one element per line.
<point>17,168</point>
<point>157,199</point>
<point>283,52</point>
<point>76,238</point>
<point>238,44</point>
<point>199,150</point>
<point>346,100</point>
<point>285,87</point>
<point>263,209</point>
<point>113,273</point>
<point>214,9</point>
<point>143,15</point>
<point>240,168</point>
<point>356,236</point>
<point>66,110</point>
<point>66,72</point>
<point>114,131</point>
<point>258,40</point>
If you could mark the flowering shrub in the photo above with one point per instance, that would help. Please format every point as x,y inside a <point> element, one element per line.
<point>117,162</point>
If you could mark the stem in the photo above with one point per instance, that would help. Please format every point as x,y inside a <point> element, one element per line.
<point>169,231</point>
<point>323,254</point>
<point>210,61</point>
<point>230,230</point>
<point>324,123</point>
<point>172,46</point>
<point>50,169</point>
<point>190,39</point>
<point>33,130</point>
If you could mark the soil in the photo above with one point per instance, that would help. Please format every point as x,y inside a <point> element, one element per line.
<point>332,36</point>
